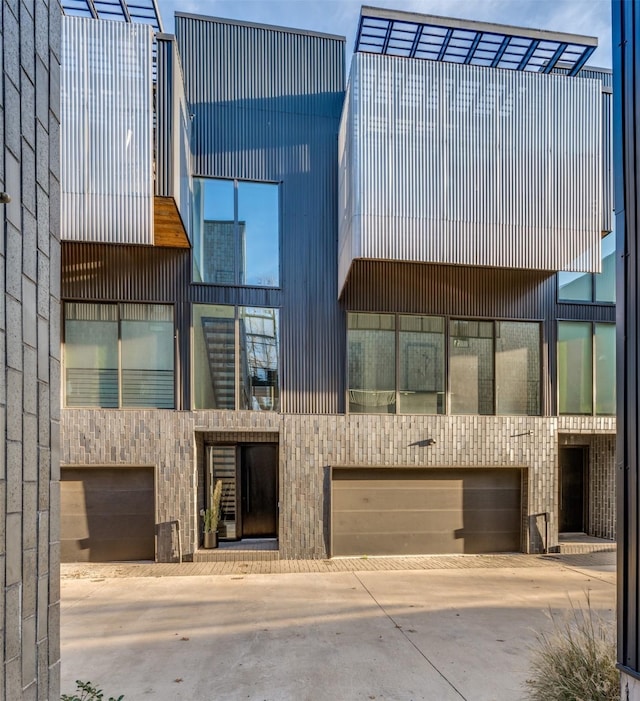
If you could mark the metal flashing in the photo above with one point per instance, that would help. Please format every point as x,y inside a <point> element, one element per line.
<point>428,37</point>
<point>257,25</point>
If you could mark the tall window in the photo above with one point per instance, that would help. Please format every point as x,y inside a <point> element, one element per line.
<point>235,232</point>
<point>236,357</point>
<point>517,368</point>
<point>592,287</point>
<point>586,368</point>
<point>118,355</point>
<point>471,367</point>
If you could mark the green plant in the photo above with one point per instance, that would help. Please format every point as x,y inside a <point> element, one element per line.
<point>211,515</point>
<point>85,691</point>
<point>576,661</point>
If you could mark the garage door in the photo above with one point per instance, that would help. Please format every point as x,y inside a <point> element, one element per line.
<point>107,514</point>
<point>415,511</point>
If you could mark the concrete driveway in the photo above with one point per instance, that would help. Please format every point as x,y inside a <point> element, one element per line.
<point>458,632</point>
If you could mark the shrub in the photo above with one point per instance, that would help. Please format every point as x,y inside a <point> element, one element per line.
<point>576,661</point>
<point>86,692</point>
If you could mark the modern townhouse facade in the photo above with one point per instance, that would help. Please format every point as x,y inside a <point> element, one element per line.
<point>371,307</point>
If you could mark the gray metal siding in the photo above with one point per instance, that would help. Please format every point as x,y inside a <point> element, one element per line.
<point>471,166</point>
<point>626,65</point>
<point>266,105</point>
<point>173,130</point>
<point>106,132</point>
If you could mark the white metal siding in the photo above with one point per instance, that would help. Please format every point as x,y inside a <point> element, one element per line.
<point>468,165</point>
<point>106,132</point>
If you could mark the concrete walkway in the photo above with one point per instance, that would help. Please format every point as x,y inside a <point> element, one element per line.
<point>457,629</point>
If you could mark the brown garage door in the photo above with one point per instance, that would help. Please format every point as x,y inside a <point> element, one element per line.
<point>416,511</point>
<point>107,514</point>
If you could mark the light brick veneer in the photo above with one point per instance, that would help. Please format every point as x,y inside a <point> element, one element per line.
<point>308,446</point>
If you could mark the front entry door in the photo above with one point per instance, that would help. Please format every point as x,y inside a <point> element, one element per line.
<point>259,487</point>
<point>573,486</point>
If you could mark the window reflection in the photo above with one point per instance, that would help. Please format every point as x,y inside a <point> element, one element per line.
<point>471,367</point>
<point>235,232</point>
<point>236,358</point>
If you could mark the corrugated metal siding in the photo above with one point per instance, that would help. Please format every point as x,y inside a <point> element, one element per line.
<point>106,273</point>
<point>266,105</point>
<point>491,293</point>
<point>164,101</point>
<point>106,132</point>
<point>626,65</point>
<point>173,130</point>
<point>471,165</point>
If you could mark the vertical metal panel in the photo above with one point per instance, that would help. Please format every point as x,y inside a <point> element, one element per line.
<point>106,273</point>
<point>473,166</point>
<point>626,134</point>
<point>173,130</point>
<point>106,132</point>
<point>266,104</point>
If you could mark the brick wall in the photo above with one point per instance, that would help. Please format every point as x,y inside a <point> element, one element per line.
<point>308,446</point>
<point>30,346</point>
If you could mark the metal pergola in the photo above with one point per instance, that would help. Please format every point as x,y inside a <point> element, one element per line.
<point>410,35</point>
<point>142,11</point>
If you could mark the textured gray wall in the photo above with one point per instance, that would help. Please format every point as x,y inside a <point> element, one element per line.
<point>310,444</point>
<point>30,347</point>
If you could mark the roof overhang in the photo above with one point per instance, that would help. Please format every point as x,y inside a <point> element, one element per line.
<point>414,35</point>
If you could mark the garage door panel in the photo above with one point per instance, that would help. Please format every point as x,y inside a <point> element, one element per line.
<point>397,521</point>
<point>385,499</point>
<point>390,511</point>
<point>107,514</point>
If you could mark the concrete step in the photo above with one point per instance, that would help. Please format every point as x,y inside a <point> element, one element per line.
<point>235,555</point>
<point>580,543</point>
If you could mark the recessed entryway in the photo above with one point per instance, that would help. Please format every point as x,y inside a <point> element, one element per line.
<point>249,475</point>
<point>107,514</point>
<point>415,511</point>
<point>573,485</point>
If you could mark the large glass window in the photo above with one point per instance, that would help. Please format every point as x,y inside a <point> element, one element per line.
<point>398,364</point>
<point>592,287</point>
<point>586,367</point>
<point>471,367</point>
<point>517,368</point>
<point>372,363</point>
<point>605,368</point>
<point>421,365</point>
<point>118,355</point>
<point>235,232</point>
<point>236,357</point>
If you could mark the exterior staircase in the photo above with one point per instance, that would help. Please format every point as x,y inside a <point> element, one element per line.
<point>219,338</point>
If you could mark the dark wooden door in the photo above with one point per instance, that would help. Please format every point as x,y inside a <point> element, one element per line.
<point>573,486</point>
<point>259,489</point>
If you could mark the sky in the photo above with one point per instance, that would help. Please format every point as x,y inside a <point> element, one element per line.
<point>587,17</point>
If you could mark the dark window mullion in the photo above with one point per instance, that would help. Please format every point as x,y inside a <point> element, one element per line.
<point>118,306</point>
<point>236,235</point>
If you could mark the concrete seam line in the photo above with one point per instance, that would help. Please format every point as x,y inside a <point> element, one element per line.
<point>586,573</point>
<point>398,627</point>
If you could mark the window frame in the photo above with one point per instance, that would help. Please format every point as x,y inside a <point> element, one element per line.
<point>237,356</point>
<point>594,400</point>
<point>237,272</point>
<point>117,305</point>
<point>447,322</point>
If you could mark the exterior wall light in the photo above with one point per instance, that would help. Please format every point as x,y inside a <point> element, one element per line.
<point>5,198</point>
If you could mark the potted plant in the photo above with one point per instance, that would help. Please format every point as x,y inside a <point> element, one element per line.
<point>211,517</point>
